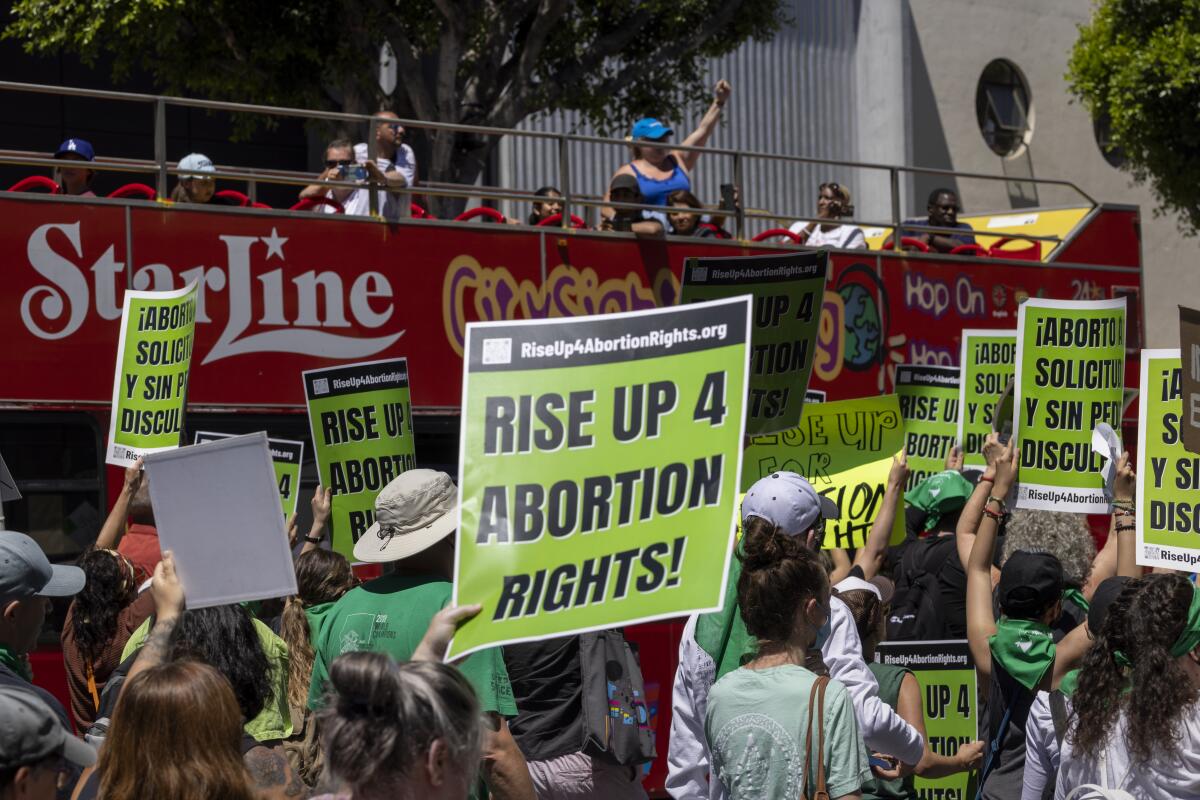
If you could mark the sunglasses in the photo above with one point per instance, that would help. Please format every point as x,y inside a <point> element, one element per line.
<point>396,128</point>
<point>333,162</point>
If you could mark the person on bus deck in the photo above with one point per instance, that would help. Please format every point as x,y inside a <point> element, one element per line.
<point>35,750</point>
<point>27,582</point>
<point>689,219</point>
<point>833,203</point>
<point>660,170</point>
<point>415,518</point>
<point>197,184</point>
<point>105,613</point>
<point>545,208</point>
<point>715,644</point>
<point>345,161</point>
<point>75,180</point>
<point>943,211</point>
<point>624,189</point>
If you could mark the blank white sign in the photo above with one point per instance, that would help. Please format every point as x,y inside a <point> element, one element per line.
<point>216,507</point>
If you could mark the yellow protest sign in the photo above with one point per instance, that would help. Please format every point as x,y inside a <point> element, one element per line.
<point>845,450</point>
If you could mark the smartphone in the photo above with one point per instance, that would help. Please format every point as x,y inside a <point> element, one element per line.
<point>882,763</point>
<point>727,199</point>
<point>622,223</point>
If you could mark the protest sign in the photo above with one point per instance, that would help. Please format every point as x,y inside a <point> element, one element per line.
<point>597,472</point>
<point>929,398</point>
<point>845,450</point>
<point>986,366</point>
<point>361,424</point>
<point>216,507</point>
<point>946,675</point>
<point>286,456</point>
<point>154,354</point>
<point>1070,376</point>
<point>1168,476</point>
<point>814,396</point>
<point>788,291</point>
<point>1189,353</point>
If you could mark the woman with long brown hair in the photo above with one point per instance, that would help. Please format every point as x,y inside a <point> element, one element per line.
<point>322,577</point>
<point>176,733</point>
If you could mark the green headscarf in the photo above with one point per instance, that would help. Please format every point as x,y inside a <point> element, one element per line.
<point>940,494</point>
<point>1024,648</point>
<point>722,634</point>
<point>1190,638</point>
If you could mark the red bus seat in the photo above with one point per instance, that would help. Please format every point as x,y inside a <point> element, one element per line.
<point>34,183</point>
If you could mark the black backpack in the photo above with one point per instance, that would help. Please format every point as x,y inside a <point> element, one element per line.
<point>916,615</point>
<point>96,734</point>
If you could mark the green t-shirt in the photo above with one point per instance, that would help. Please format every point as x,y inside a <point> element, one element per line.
<point>390,615</point>
<point>756,729</point>
<point>890,677</point>
<point>275,720</point>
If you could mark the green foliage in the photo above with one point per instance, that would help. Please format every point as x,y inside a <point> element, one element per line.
<point>1138,61</point>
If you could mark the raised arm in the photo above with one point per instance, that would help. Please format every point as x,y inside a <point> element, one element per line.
<point>870,556</point>
<point>699,137</point>
<point>322,507</point>
<point>1123,527</point>
<point>1068,654</point>
<point>981,622</point>
<point>114,525</point>
<point>168,606</point>
<point>972,512</point>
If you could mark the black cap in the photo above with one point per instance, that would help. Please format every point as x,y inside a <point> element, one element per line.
<point>1108,591</point>
<point>1029,583</point>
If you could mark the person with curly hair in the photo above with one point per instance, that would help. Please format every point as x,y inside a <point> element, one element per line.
<point>1066,537</point>
<point>1136,724</point>
<point>106,611</point>
<point>766,734</point>
<point>1015,656</point>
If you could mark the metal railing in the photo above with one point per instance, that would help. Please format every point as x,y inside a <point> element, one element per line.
<point>160,167</point>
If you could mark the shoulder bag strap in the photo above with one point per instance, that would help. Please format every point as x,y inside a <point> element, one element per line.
<point>822,788</point>
<point>812,704</point>
<point>1058,714</point>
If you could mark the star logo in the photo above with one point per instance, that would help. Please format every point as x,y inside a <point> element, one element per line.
<point>274,244</point>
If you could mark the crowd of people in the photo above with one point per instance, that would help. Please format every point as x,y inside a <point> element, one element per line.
<point>1088,669</point>
<point>655,175</point>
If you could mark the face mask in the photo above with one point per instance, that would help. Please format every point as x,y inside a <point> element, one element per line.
<point>824,631</point>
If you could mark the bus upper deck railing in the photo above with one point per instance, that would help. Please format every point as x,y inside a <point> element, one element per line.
<point>160,167</point>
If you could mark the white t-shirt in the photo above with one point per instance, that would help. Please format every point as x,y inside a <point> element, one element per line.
<point>843,237</point>
<point>1174,773</point>
<point>392,205</point>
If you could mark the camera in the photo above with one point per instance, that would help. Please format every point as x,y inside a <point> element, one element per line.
<point>352,172</point>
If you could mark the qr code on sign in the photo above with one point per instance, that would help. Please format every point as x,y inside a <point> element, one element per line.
<point>320,385</point>
<point>497,351</point>
<point>700,274</point>
<point>1152,552</point>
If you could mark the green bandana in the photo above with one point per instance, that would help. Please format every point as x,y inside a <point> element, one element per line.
<point>722,634</point>
<point>940,494</point>
<point>1024,648</point>
<point>18,664</point>
<point>1076,597</point>
<point>1069,683</point>
<point>1190,638</point>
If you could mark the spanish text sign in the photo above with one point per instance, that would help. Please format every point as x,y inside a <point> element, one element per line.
<point>929,405</point>
<point>845,450</point>
<point>361,424</point>
<point>1070,377</point>
<point>788,291</point>
<point>946,675</point>
<point>286,457</point>
<point>1168,476</point>
<point>154,355</point>
<point>985,369</point>
<point>598,469</point>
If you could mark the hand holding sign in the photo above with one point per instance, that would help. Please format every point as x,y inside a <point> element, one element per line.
<point>1125,483</point>
<point>1007,467</point>
<point>167,589</point>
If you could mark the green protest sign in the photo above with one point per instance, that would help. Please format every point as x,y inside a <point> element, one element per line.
<point>361,425</point>
<point>946,675</point>
<point>286,456</point>
<point>1168,475</point>
<point>929,406</point>
<point>154,355</point>
<point>597,473</point>
<point>845,450</point>
<point>986,365</point>
<point>1070,376</point>
<point>788,291</point>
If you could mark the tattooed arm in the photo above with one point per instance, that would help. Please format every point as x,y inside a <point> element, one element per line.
<point>273,777</point>
<point>168,605</point>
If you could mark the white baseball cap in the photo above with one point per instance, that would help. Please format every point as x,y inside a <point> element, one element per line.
<point>788,500</point>
<point>194,163</point>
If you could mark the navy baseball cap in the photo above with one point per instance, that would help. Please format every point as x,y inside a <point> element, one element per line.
<point>787,500</point>
<point>650,128</point>
<point>80,147</point>
<point>25,571</point>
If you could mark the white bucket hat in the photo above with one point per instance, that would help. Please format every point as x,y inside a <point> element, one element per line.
<point>415,511</point>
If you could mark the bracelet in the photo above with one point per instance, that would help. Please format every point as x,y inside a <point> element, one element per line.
<point>1123,528</point>
<point>999,517</point>
<point>1122,512</point>
<point>1127,504</point>
<point>313,539</point>
<point>983,478</point>
<point>997,501</point>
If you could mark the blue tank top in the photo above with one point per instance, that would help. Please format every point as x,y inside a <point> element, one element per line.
<point>654,191</point>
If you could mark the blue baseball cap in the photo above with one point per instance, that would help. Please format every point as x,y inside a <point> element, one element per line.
<point>789,501</point>
<point>80,147</point>
<point>650,128</point>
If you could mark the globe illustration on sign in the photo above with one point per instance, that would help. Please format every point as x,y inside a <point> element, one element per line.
<point>862,326</point>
